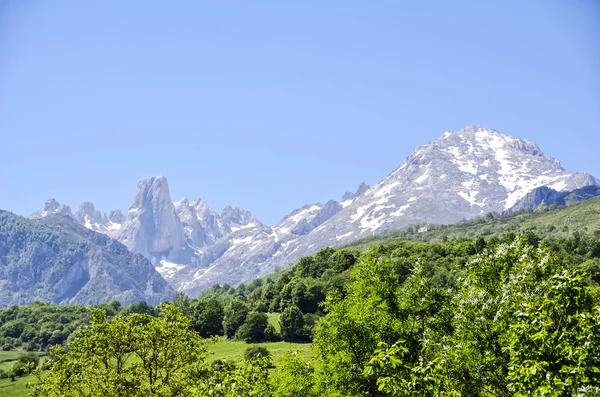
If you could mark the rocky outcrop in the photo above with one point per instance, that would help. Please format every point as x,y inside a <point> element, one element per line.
<point>546,196</point>
<point>151,226</point>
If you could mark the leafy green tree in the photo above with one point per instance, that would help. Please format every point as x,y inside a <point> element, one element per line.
<point>140,308</point>
<point>271,334</point>
<point>253,329</point>
<point>207,317</point>
<point>183,303</point>
<point>235,315</point>
<point>25,364</point>
<point>291,324</point>
<point>296,378</point>
<point>377,309</point>
<point>247,378</point>
<point>256,351</point>
<point>554,344</point>
<point>137,355</point>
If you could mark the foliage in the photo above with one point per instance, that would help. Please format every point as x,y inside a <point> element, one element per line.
<point>207,317</point>
<point>256,351</point>
<point>40,325</point>
<point>25,364</point>
<point>253,329</point>
<point>139,355</point>
<point>235,316</point>
<point>518,323</point>
<point>509,316</point>
<point>292,324</point>
<point>296,378</point>
<point>247,378</point>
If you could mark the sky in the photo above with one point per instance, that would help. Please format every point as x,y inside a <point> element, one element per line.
<point>270,105</point>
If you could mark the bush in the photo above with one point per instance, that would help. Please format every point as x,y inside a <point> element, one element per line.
<point>25,364</point>
<point>256,351</point>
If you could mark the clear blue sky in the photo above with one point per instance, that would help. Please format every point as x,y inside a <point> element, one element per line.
<point>269,105</point>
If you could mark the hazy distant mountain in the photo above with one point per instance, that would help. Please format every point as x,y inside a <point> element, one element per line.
<point>58,260</point>
<point>460,175</point>
<point>549,196</point>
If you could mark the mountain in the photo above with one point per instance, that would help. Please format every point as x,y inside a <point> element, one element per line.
<point>549,196</point>
<point>461,175</point>
<point>548,222</point>
<point>52,207</point>
<point>58,260</point>
<point>151,226</point>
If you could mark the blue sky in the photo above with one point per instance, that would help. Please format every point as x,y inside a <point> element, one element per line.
<point>270,105</point>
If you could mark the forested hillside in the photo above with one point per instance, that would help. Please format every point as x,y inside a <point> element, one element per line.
<point>57,260</point>
<point>467,319</point>
<point>549,222</point>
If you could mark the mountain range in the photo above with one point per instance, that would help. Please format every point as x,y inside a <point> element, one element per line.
<point>460,175</point>
<point>56,259</point>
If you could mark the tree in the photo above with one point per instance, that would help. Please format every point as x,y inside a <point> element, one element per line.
<point>291,324</point>
<point>253,329</point>
<point>246,378</point>
<point>554,344</point>
<point>140,308</point>
<point>207,317</point>
<point>183,303</point>
<point>235,315</point>
<point>378,310</point>
<point>296,378</point>
<point>25,364</point>
<point>138,355</point>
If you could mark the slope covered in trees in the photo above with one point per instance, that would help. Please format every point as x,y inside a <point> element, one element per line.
<point>515,320</point>
<point>57,260</point>
<point>549,222</point>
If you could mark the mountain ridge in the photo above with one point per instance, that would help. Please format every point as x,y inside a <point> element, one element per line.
<point>59,260</point>
<point>459,176</point>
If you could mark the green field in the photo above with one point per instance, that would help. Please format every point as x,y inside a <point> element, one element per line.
<point>234,350</point>
<point>18,388</point>
<point>8,388</point>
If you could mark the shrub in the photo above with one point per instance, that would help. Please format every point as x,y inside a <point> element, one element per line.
<point>256,351</point>
<point>25,364</point>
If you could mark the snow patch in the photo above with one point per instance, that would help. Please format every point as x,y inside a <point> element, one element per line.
<point>338,238</point>
<point>400,210</point>
<point>346,203</point>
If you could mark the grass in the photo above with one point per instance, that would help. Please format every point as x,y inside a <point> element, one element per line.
<point>8,358</point>
<point>231,350</point>
<point>274,320</point>
<point>18,388</point>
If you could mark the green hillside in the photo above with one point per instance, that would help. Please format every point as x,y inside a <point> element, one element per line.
<point>550,223</point>
<point>57,260</point>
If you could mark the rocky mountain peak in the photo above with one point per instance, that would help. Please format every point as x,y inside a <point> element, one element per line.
<point>458,176</point>
<point>152,226</point>
<point>116,216</point>
<point>88,216</point>
<point>363,187</point>
<point>201,207</point>
<point>51,206</point>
